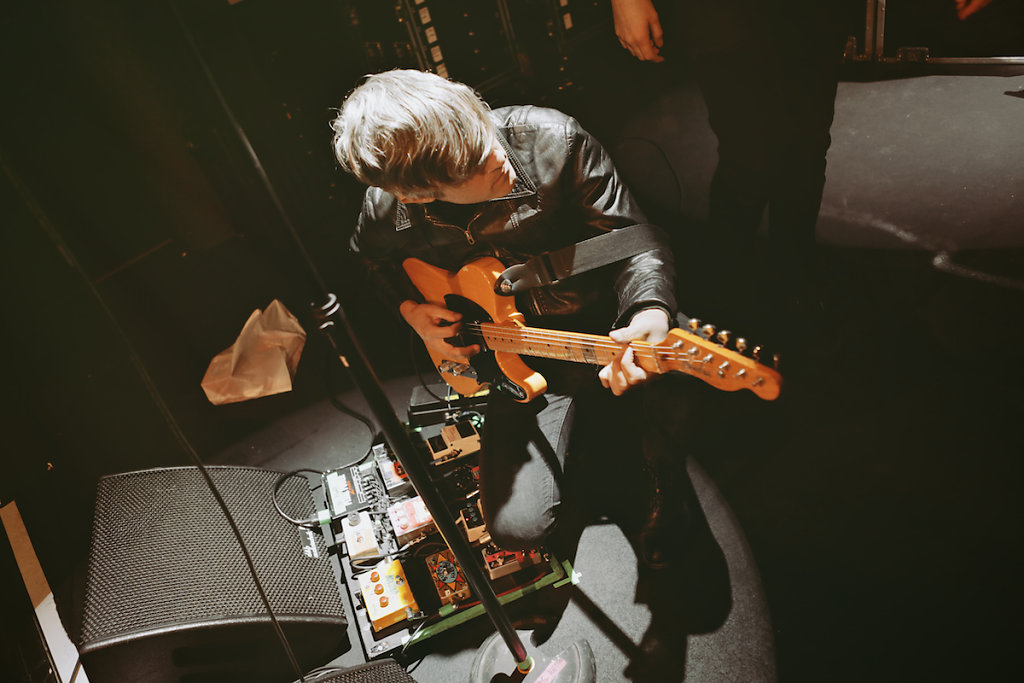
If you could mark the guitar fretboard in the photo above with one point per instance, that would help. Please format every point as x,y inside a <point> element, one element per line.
<point>570,346</point>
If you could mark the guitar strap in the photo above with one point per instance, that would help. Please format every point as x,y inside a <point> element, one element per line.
<point>550,267</point>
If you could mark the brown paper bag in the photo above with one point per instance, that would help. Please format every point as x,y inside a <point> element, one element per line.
<point>261,362</point>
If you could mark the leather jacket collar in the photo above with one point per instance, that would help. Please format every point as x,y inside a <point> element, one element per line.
<point>523,187</point>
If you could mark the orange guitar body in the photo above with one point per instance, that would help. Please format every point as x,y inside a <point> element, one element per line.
<point>475,283</point>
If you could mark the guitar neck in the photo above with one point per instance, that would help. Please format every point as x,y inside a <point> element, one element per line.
<point>577,347</point>
<point>681,351</point>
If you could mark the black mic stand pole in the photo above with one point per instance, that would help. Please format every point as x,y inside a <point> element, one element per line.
<point>334,324</point>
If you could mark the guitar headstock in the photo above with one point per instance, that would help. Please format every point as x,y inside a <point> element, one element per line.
<point>719,358</point>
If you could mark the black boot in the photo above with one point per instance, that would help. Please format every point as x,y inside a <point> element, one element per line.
<point>664,535</point>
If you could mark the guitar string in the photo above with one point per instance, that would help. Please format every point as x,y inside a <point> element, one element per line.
<point>554,337</point>
<point>538,334</point>
<point>548,338</point>
<point>564,339</point>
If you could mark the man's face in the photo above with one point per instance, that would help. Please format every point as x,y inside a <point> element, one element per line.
<point>494,180</point>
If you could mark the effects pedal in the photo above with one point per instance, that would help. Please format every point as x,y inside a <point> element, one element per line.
<point>449,581</point>
<point>396,481</point>
<point>454,440</point>
<point>501,563</point>
<point>386,594</point>
<point>471,519</point>
<point>361,536</point>
<point>460,482</point>
<point>351,488</point>
<point>410,520</point>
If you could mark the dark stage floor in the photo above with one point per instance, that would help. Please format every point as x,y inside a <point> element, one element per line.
<point>869,519</point>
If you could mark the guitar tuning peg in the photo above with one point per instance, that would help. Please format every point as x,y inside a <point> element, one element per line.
<point>757,352</point>
<point>708,330</point>
<point>693,324</point>
<point>776,360</point>
<point>741,344</point>
<point>724,336</point>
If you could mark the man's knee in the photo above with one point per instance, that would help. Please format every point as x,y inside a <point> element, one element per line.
<point>516,529</point>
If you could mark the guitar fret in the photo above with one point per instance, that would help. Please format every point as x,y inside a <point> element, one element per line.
<point>547,344</point>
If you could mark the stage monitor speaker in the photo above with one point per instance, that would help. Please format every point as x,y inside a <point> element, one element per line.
<point>169,597</point>
<point>378,671</point>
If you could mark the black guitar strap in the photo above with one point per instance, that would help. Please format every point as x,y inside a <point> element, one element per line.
<point>553,266</point>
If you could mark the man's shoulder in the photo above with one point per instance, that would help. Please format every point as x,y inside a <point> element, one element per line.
<point>531,116</point>
<point>533,127</point>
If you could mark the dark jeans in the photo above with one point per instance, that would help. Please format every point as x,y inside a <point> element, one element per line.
<point>541,459</point>
<point>768,73</point>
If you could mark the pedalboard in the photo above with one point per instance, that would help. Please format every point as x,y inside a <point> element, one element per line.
<point>434,405</point>
<point>419,588</point>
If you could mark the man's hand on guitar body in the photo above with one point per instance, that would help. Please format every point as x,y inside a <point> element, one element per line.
<point>650,325</point>
<point>435,324</point>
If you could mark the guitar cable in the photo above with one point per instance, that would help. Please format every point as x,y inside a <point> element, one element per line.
<point>419,373</point>
<point>332,396</point>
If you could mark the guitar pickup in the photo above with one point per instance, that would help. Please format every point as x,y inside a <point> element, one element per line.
<point>458,369</point>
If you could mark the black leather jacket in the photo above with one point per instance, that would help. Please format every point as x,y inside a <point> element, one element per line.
<point>567,190</point>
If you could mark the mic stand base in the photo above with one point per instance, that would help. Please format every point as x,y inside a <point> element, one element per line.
<point>573,664</point>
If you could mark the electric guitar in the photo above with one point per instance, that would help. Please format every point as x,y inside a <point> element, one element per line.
<point>492,321</point>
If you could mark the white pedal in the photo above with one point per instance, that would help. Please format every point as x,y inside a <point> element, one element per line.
<point>360,536</point>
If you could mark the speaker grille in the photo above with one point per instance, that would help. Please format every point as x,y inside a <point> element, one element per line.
<point>163,553</point>
<point>380,671</point>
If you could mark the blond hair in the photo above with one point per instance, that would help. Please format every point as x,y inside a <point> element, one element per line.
<point>410,131</point>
